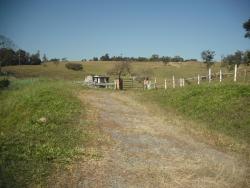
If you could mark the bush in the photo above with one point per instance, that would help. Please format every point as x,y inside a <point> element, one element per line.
<point>74,66</point>
<point>4,83</point>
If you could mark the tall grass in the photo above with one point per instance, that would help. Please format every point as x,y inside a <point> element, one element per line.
<point>29,149</point>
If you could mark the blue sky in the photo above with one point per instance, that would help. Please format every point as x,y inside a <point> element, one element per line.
<point>79,29</point>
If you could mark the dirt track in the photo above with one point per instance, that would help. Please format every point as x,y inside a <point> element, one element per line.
<point>147,151</point>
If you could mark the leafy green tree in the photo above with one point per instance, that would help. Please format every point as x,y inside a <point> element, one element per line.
<point>165,59</point>
<point>105,57</point>
<point>8,57</point>
<point>64,59</point>
<point>35,59</point>
<point>177,59</point>
<point>208,57</point>
<point>95,58</point>
<point>246,58</point>
<point>234,59</point>
<point>246,26</point>
<point>23,57</point>
<point>154,57</point>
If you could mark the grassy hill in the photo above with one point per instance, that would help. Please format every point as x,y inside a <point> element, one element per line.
<point>221,108</point>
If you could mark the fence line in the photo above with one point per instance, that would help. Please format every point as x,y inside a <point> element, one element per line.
<point>174,82</point>
<point>210,77</point>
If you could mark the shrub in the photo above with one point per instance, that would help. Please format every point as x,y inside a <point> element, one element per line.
<point>4,83</point>
<point>74,66</point>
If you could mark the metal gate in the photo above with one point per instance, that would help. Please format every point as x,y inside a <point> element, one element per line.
<point>127,83</point>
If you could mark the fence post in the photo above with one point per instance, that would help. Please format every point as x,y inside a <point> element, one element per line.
<point>220,75</point>
<point>235,72</point>
<point>165,84</point>
<point>114,84</point>
<point>183,82</point>
<point>198,79</point>
<point>155,84</point>
<point>209,74</point>
<point>173,82</point>
<point>180,82</point>
<point>245,75</point>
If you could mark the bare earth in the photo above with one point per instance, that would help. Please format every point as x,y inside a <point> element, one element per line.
<point>148,151</point>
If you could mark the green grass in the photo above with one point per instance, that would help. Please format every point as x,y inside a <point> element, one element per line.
<point>221,108</point>
<point>29,149</point>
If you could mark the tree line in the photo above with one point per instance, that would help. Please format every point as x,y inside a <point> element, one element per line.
<point>20,57</point>
<point>154,57</point>
<point>237,58</point>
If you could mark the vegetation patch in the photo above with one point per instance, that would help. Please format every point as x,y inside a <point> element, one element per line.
<point>74,66</point>
<point>4,83</point>
<point>223,108</point>
<point>40,129</point>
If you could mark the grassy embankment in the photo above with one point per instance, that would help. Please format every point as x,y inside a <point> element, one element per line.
<point>30,149</point>
<point>223,109</point>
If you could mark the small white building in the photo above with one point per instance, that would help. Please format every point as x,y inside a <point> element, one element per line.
<point>96,80</point>
<point>100,79</point>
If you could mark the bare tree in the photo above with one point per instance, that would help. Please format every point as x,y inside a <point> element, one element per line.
<point>120,68</point>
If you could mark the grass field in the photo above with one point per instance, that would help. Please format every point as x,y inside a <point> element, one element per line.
<point>157,70</point>
<point>29,148</point>
<point>220,108</point>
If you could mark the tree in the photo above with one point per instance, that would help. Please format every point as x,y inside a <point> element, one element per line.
<point>165,59</point>
<point>7,43</point>
<point>246,58</point>
<point>64,59</point>
<point>54,59</point>
<point>235,59</point>
<point>120,68</point>
<point>208,57</point>
<point>22,57</point>
<point>105,57</point>
<point>246,26</point>
<point>9,46</point>
<point>8,57</point>
<point>45,58</point>
<point>95,58</point>
<point>35,59</point>
<point>154,57</point>
<point>177,59</point>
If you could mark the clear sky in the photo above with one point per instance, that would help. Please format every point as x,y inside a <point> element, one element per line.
<point>79,29</point>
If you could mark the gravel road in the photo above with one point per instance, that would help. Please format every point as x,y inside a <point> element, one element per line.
<point>148,151</point>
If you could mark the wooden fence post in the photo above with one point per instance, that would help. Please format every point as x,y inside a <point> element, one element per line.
<point>173,82</point>
<point>198,79</point>
<point>209,75</point>
<point>165,84</point>
<point>220,76</point>
<point>235,72</point>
